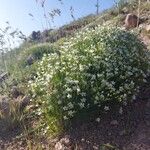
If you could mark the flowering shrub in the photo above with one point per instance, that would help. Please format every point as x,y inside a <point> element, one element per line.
<point>96,66</point>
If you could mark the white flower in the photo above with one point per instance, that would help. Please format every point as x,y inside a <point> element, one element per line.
<point>65,118</point>
<point>69,96</point>
<point>133,97</point>
<point>98,119</point>
<point>70,105</point>
<point>48,77</point>
<point>125,103</point>
<point>70,113</point>
<point>78,90</point>
<point>59,102</point>
<point>65,108</point>
<point>69,90</point>
<point>120,110</point>
<point>83,100</point>
<point>81,105</point>
<point>106,108</point>
<point>96,98</point>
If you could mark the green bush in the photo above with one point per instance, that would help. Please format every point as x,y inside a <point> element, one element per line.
<point>37,52</point>
<point>95,67</point>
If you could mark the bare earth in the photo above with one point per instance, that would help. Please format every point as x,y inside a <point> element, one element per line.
<point>129,131</point>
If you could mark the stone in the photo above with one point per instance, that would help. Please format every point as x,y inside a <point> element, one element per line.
<point>30,60</point>
<point>65,141</point>
<point>64,144</point>
<point>3,76</point>
<point>131,21</point>
<point>15,92</point>
<point>24,102</point>
<point>95,147</point>
<point>59,146</point>
<point>147,28</point>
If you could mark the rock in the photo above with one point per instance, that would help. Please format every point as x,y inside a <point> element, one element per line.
<point>64,144</point>
<point>3,77</point>
<point>146,41</point>
<point>114,122</point>
<point>15,92</point>
<point>30,60</point>
<point>147,28</point>
<point>131,21</point>
<point>59,146</point>
<point>65,141</point>
<point>95,147</point>
<point>24,102</point>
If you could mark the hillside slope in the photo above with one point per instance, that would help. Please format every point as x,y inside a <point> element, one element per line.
<point>126,130</point>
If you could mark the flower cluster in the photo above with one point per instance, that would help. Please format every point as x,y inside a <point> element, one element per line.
<point>96,66</point>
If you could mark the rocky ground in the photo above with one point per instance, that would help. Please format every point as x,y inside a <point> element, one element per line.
<point>128,130</point>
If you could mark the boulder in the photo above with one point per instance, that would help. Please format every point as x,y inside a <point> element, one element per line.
<point>131,21</point>
<point>15,92</point>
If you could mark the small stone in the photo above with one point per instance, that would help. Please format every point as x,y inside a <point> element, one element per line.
<point>95,147</point>
<point>59,146</point>
<point>147,28</point>
<point>114,122</point>
<point>24,102</point>
<point>82,140</point>
<point>15,92</point>
<point>65,141</point>
<point>98,119</point>
<point>121,111</point>
<point>106,108</point>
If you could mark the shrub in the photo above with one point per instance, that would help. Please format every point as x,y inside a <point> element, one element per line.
<point>95,67</point>
<point>36,52</point>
